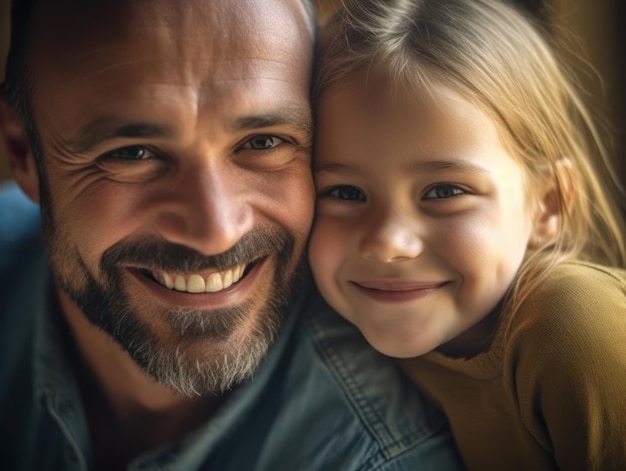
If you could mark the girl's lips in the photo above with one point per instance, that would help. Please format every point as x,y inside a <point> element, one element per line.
<point>387,285</point>
<point>397,291</point>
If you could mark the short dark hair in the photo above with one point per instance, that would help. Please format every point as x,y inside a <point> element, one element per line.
<point>16,80</point>
<point>16,85</point>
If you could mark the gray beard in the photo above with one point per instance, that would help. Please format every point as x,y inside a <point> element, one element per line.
<point>200,361</point>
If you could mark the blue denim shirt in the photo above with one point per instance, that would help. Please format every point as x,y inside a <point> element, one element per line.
<point>321,400</point>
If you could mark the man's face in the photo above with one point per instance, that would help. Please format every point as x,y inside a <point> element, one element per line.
<point>176,146</point>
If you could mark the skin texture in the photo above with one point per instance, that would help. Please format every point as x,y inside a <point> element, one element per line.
<point>422,217</point>
<point>178,140</point>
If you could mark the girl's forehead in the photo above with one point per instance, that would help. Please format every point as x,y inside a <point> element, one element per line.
<point>379,94</point>
<point>366,115</point>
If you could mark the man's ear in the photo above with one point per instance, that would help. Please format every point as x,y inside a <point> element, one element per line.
<point>554,200</point>
<point>19,150</point>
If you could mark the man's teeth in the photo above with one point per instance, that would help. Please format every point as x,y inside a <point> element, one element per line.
<point>198,284</point>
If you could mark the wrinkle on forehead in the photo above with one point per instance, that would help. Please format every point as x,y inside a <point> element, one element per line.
<point>202,46</point>
<point>77,38</point>
<point>219,24</point>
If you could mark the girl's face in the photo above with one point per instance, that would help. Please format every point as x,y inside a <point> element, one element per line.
<point>422,216</point>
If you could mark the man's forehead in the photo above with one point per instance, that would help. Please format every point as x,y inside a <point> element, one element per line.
<point>140,59</point>
<point>76,40</point>
<point>225,24</point>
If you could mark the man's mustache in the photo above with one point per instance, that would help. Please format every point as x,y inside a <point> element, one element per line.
<point>162,255</point>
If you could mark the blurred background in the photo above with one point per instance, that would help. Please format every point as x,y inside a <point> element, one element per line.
<point>598,24</point>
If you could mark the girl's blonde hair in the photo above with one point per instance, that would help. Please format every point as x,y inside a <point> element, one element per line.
<point>496,58</point>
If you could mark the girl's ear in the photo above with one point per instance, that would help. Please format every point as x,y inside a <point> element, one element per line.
<point>21,158</point>
<point>554,200</point>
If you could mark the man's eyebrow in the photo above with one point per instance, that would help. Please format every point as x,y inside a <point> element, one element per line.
<point>105,129</point>
<point>295,116</point>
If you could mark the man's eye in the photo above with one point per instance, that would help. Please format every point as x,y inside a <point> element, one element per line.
<point>346,193</point>
<point>132,153</point>
<point>262,142</point>
<point>443,191</point>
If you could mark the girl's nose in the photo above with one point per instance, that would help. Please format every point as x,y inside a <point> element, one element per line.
<point>393,239</point>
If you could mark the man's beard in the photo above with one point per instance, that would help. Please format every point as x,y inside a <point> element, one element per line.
<point>197,358</point>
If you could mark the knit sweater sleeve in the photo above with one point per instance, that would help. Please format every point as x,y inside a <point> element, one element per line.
<point>568,365</point>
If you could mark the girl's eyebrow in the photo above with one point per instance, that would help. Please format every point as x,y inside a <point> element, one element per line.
<point>434,166</point>
<point>335,167</point>
<point>414,168</point>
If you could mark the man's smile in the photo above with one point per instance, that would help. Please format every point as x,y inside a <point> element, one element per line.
<point>201,289</point>
<point>200,282</point>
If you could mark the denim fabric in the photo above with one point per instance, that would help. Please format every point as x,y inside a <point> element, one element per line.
<point>321,400</point>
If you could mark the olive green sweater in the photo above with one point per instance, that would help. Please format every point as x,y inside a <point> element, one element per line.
<point>551,392</point>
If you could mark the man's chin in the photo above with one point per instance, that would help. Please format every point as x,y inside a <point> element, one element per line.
<point>194,352</point>
<point>198,362</point>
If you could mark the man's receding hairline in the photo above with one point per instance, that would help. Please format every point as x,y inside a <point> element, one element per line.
<point>23,12</point>
<point>18,83</point>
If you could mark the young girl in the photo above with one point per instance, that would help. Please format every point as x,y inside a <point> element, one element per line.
<point>464,225</point>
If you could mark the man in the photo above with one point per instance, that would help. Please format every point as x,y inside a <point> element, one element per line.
<point>168,147</point>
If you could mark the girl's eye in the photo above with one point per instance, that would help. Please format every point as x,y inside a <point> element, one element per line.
<point>132,153</point>
<point>262,142</point>
<point>443,191</point>
<point>346,193</point>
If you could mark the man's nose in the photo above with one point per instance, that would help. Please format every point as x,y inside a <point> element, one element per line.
<point>207,210</point>
<point>391,238</point>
